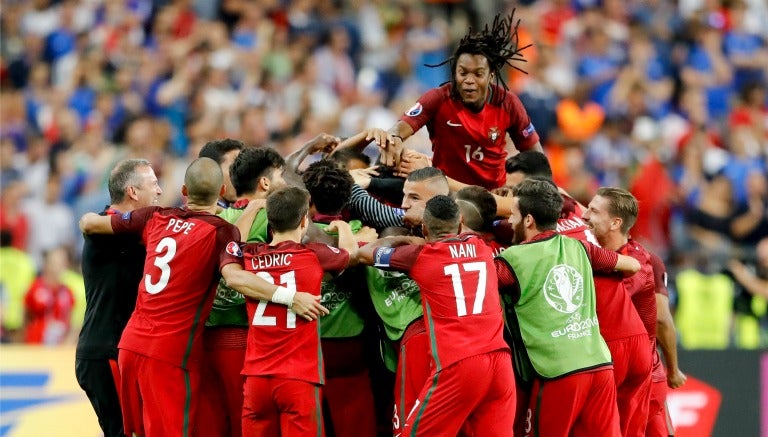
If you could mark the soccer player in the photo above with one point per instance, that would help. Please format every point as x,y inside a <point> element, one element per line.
<point>224,152</point>
<point>347,388</point>
<point>472,386</point>
<point>253,173</point>
<point>283,365</point>
<point>647,288</point>
<point>112,269</point>
<point>469,117</point>
<point>478,212</point>
<point>161,346</point>
<point>546,284</point>
<point>615,211</point>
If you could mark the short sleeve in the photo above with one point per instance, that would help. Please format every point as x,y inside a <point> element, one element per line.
<point>521,129</point>
<point>425,109</point>
<point>659,275</point>
<point>396,258</point>
<point>602,260</point>
<point>228,243</point>
<point>133,222</point>
<point>331,259</point>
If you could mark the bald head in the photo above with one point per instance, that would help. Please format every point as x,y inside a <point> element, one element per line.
<point>203,180</point>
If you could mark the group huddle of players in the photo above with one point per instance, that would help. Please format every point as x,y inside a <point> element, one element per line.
<point>474,279</point>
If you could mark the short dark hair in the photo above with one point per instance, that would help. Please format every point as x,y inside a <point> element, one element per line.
<point>251,164</point>
<point>343,156</point>
<point>621,204</point>
<point>425,173</point>
<point>478,208</point>
<point>441,216</point>
<point>530,163</point>
<point>540,198</point>
<point>329,186</point>
<point>123,176</point>
<point>218,148</point>
<point>286,207</point>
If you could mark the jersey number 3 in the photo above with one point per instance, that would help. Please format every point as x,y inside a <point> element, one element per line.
<point>168,245</point>
<point>458,287</point>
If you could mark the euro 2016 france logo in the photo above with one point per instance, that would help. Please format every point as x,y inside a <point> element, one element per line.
<point>564,288</point>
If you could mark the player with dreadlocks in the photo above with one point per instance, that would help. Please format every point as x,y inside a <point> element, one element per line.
<point>469,116</point>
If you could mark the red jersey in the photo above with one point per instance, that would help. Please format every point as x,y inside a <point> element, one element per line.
<point>570,223</point>
<point>470,147</point>
<point>49,311</point>
<point>641,286</point>
<point>279,343</point>
<point>461,303</point>
<point>617,315</point>
<point>185,252</point>
<point>660,281</point>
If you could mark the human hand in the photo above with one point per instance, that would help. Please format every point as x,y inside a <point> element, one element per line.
<point>255,205</point>
<point>337,226</point>
<point>675,378</point>
<point>411,160</point>
<point>325,143</point>
<point>366,235</point>
<point>362,176</point>
<point>308,306</point>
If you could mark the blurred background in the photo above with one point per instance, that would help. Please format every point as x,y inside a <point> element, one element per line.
<point>668,98</point>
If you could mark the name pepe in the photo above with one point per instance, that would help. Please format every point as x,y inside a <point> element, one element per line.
<point>179,226</point>
<point>270,260</point>
<point>463,250</point>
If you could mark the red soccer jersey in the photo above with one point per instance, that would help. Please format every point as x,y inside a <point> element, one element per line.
<point>49,309</point>
<point>641,286</point>
<point>471,147</point>
<point>185,252</point>
<point>570,223</point>
<point>461,303</point>
<point>279,343</point>
<point>617,315</point>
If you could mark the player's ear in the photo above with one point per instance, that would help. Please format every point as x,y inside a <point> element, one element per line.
<point>222,190</point>
<point>184,191</point>
<point>264,183</point>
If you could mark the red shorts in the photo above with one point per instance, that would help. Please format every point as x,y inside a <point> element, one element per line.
<point>284,407</point>
<point>347,389</point>
<point>659,422</point>
<point>157,398</point>
<point>581,404</point>
<point>221,391</point>
<point>475,395</point>
<point>413,369</point>
<point>632,362</point>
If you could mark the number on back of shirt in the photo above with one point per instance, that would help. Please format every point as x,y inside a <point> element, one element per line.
<point>287,280</point>
<point>458,286</point>
<point>167,245</point>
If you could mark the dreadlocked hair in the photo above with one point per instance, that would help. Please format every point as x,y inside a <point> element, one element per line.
<point>499,45</point>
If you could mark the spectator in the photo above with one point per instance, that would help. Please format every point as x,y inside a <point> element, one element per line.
<point>49,302</point>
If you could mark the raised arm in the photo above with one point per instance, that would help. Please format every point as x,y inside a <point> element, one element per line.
<point>321,143</point>
<point>346,238</point>
<point>92,223</point>
<point>365,254</point>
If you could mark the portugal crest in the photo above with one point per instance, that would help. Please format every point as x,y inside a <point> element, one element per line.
<point>494,134</point>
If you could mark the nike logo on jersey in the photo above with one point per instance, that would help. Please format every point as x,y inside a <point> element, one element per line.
<point>450,123</point>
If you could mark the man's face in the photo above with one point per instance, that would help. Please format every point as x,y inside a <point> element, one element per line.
<point>229,194</point>
<point>515,178</point>
<point>597,217</point>
<point>147,191</point>
<point>472,77</point>
<point>415,197</point>
<point>516,220</point>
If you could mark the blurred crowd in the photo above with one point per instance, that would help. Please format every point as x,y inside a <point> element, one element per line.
<point>667,98</point>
